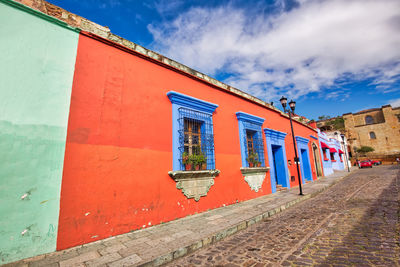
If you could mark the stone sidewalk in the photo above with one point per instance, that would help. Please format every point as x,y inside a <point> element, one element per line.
<point>163,243</point>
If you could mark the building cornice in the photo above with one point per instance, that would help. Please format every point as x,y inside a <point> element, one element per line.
<point>249,118</point>
<point>303,140</point>
<point>191,102</point>
<point>274,134</point>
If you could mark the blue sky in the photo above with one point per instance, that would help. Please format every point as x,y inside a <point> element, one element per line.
<point>330,56</point>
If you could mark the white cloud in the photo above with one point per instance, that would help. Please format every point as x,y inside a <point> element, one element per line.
<point>395,102</point>
<point>294,52</point>
<point>165,7</point>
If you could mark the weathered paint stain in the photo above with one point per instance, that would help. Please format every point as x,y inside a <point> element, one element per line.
<point>37,63</point>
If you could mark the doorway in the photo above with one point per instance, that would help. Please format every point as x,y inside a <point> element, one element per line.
<point>279,165</point>
<point>317,160</point>
<point>305,165</point>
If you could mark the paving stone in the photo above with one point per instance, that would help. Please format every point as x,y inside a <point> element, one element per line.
<point>163,259</point>
<point>90,247</point>
<point>154,242</point>
<point>182,233</point>
<point>137,241</point>
<point>78,260</point>
<point>18,264</point>
<point>54,258</point>
<point>136,249</point>
<point>54,264</point>
<point>127,261</point>
<point>104,260</point>
<point>111,249</point>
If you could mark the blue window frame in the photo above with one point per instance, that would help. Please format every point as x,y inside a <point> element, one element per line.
<point>251,139</point>
<point>192,128</point>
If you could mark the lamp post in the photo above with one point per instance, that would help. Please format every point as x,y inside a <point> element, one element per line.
<point>345,153</point>
<point>292,105</point>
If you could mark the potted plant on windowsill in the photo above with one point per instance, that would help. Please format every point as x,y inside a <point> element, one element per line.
<point>202,161</point>
<point>252,159</point>
<point>196,163</point>
<point>187,161</point>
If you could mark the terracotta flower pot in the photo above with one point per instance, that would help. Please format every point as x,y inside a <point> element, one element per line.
<point>259,164</point>
<point>197,167</point>
<point>204,166</point>
<point>251,164</point>
<point>188,167</point>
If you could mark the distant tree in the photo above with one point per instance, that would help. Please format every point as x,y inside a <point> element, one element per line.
<point>337,123</point>
<point>365,149</point>
<point>323,117</point>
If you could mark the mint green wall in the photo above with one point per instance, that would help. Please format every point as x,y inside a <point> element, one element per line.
<point>37,59</point>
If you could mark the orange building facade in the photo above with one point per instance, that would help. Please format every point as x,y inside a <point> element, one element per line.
<point>119,148</point>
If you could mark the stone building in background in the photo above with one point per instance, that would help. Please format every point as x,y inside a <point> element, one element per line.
<point>378,128</point>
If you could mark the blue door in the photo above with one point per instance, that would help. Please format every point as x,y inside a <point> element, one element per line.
<point>305,164</point>
<point>279,165</point>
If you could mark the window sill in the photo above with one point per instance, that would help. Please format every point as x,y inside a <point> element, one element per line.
<point>248,170</point>
<point>194,184</point>
<point>254,176</point>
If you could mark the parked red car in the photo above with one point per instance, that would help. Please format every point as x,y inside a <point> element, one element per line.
<point>365,164</point>
<point>376,162</point>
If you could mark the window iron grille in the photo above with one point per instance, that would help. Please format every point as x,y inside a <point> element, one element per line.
<point>254,142</point>
<point>196,135</point>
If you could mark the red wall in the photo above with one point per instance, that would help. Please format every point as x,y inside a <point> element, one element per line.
<point>119,146</point>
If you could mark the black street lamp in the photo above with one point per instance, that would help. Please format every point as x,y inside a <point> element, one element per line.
<point>345,152</point>
<point>292,105</point>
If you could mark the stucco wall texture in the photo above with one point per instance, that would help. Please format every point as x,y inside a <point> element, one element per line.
<point>36,73</point>
<point>119,146</point>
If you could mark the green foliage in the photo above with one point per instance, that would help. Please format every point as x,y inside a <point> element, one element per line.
<point>186,158</point>
<point>365,149</point>
<point>193,159</point>
<point>199,159</point>
<point>323,117</point>
<point>252,158</point>
<point>337,123</point>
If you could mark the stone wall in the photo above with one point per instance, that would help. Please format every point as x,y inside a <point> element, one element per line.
<point>386,128</point>
<point>377,116</point>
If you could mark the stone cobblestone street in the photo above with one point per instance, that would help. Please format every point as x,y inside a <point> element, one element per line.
<point>355,222</point>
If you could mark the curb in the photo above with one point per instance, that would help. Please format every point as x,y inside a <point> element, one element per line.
<point>222,234</point>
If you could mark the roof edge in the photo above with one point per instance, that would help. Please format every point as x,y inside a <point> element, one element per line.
<point>40,14</point>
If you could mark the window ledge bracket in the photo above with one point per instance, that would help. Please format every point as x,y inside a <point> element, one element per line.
<point>194,184</point>
<point>254,176</point>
